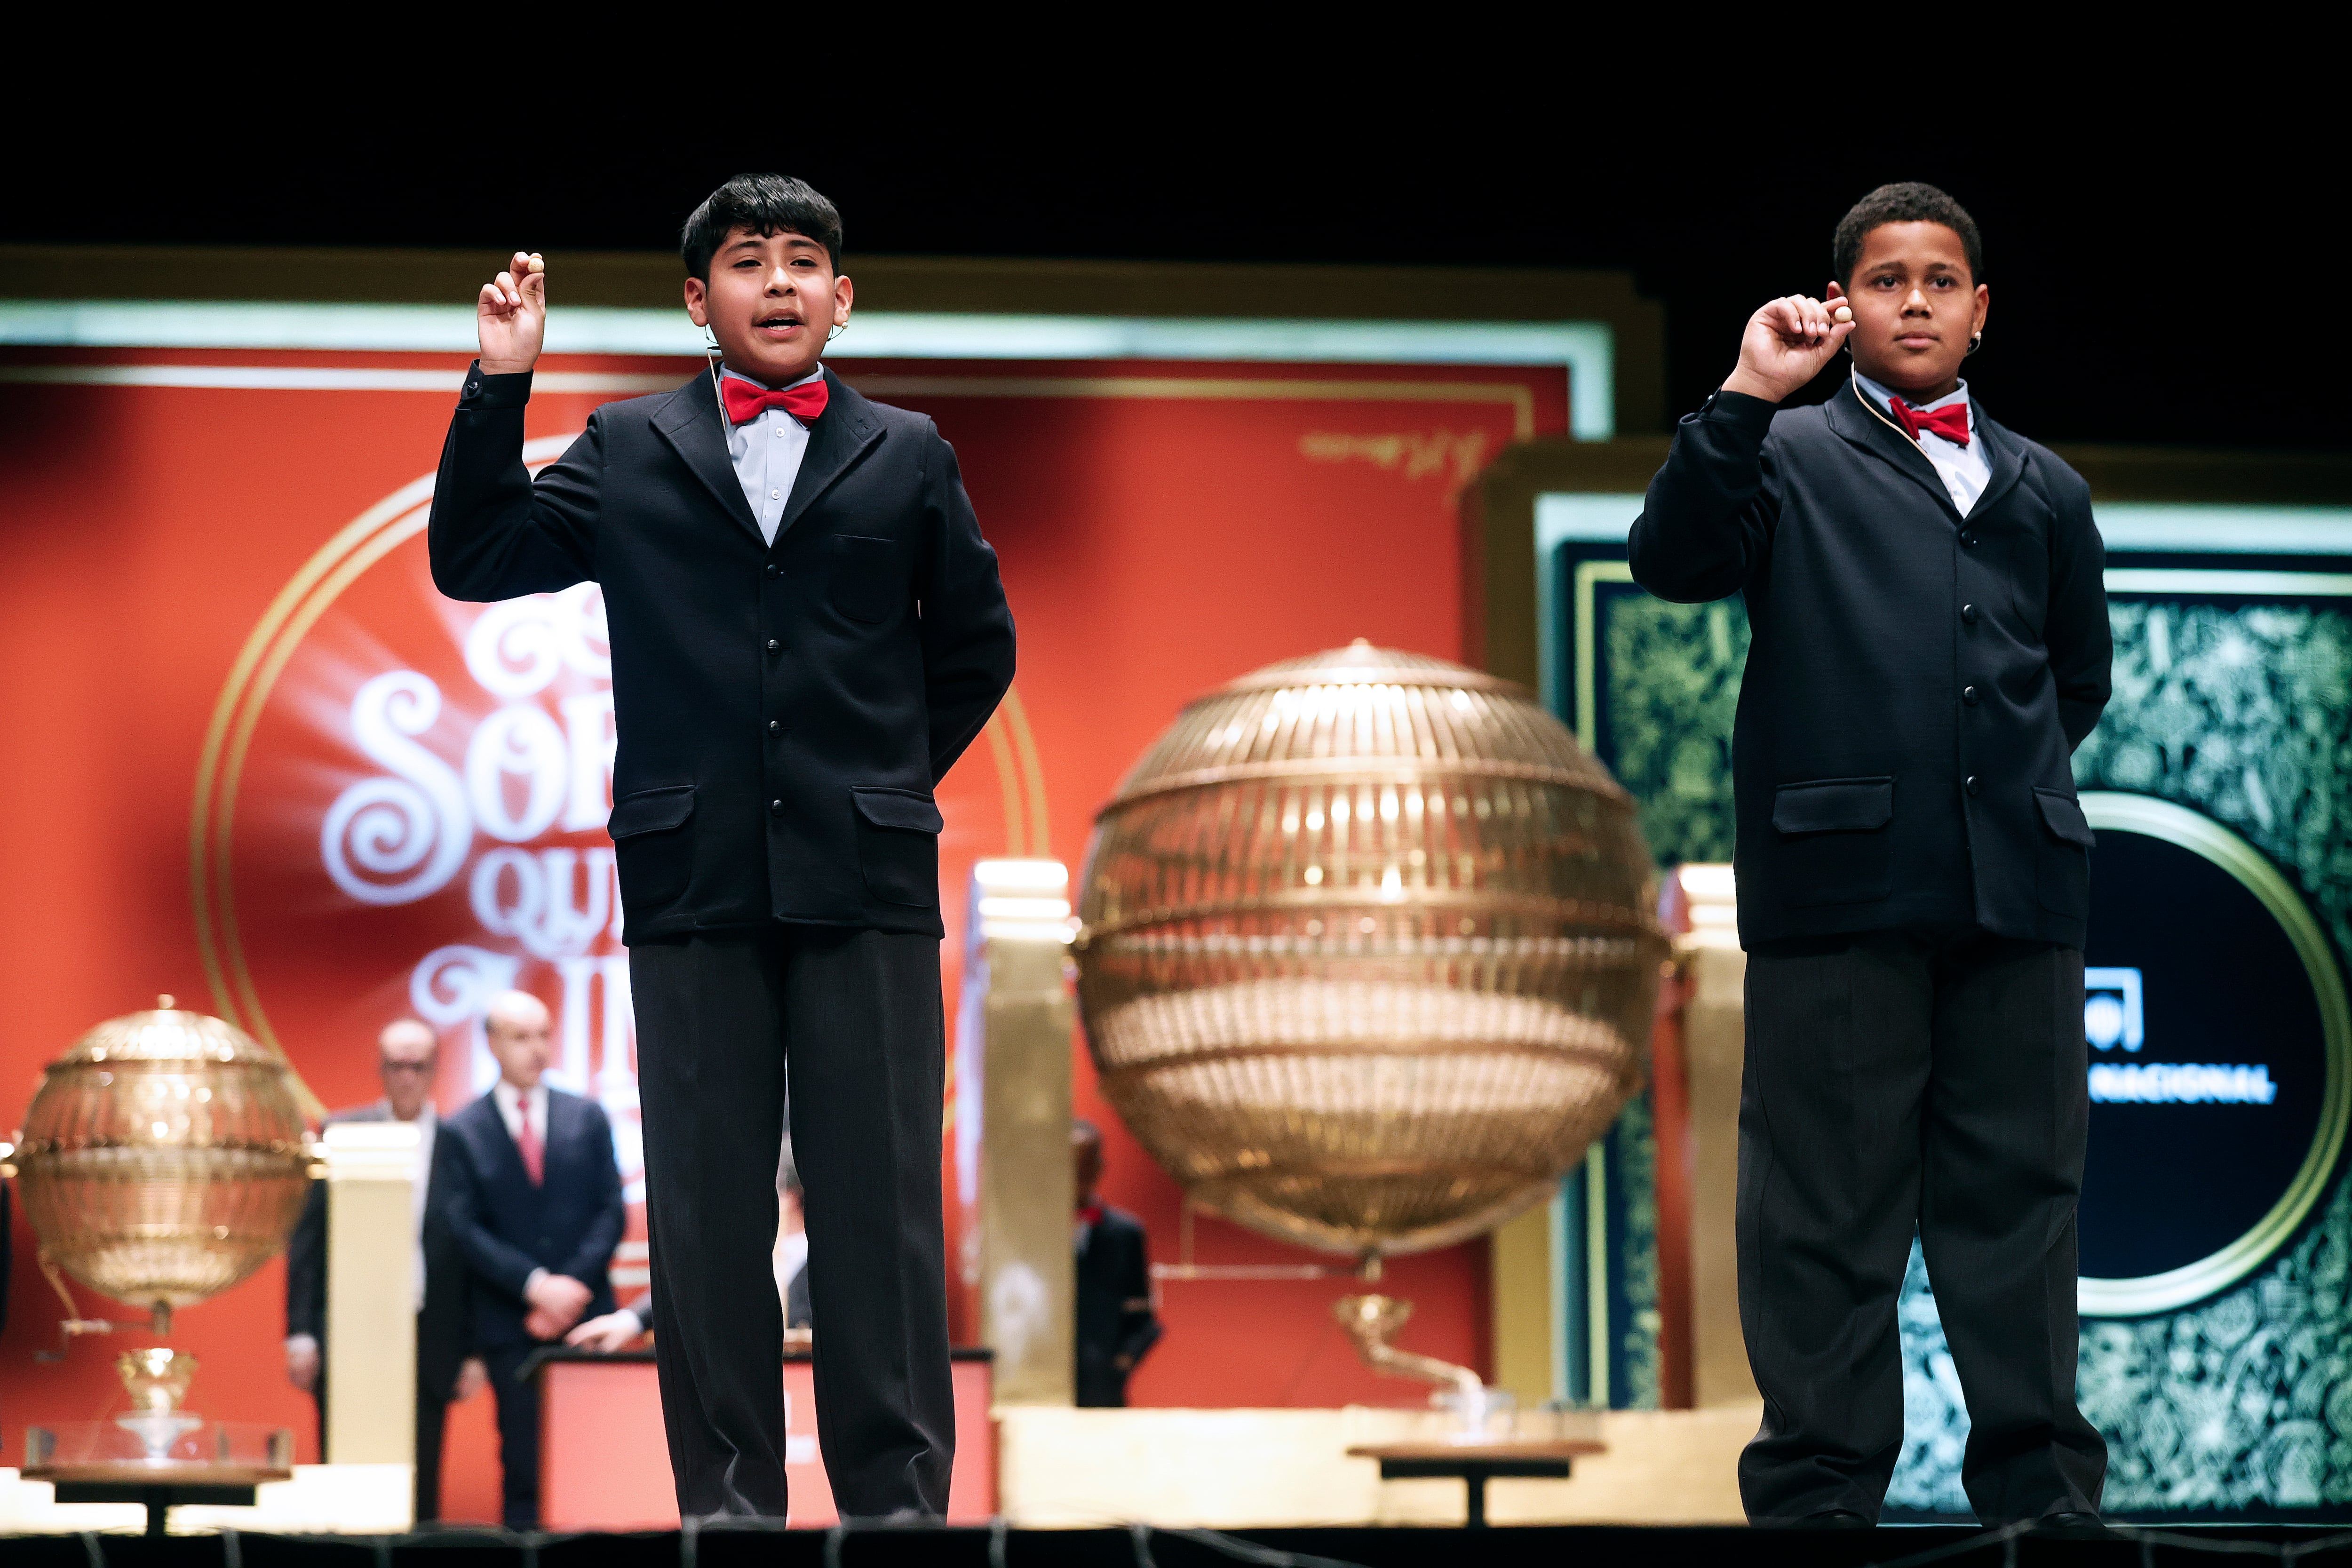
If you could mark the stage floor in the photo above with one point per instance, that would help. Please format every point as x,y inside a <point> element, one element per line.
<point>1578,1546</point>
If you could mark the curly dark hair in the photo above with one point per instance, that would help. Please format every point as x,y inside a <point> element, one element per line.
<point>1906,201</point>
<point>764,204</point>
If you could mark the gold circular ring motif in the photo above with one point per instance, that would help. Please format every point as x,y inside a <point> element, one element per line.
<point>2201,836</point>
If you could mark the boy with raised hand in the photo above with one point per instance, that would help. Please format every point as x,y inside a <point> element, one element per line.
<point>1930,644</point>
<point>807,630</point>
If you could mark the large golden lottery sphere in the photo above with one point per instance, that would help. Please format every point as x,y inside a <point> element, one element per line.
<point>163,1158</point>
<point>1368,950</point>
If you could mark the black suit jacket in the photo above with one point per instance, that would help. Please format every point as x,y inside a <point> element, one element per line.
<point>444,1322</point>
<point>784,711</point>
<point>1916,680</point>
<point>509,1228</point>
<point>1114,1308</point>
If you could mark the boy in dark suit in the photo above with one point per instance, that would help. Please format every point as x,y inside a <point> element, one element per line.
<point>807,630</point>
<point>1115,1323</point>
<point>534,1202</point>
<point>1930,645</point>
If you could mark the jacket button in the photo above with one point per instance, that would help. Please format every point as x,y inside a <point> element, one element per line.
<point>771,568</point>
<point>472,388</point>
<point>1974,786</point>
<point>775,646</point>
<point>1969,614</point>
<point>1969,695</point>
<point>776,808</point>
<point>775,726</point>
<point>1969,540</point>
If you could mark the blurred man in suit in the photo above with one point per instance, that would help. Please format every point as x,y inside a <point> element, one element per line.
<point>535,1205</point>
<point>407,1052</point>
<point>1116,1324</point>
<point>620,1329</point>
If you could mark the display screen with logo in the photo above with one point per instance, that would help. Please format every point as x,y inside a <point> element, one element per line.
<point>2216,1020</point>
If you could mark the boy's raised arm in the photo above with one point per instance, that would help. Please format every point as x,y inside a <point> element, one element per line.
<point>494,534</point>
<point>1707,522</point>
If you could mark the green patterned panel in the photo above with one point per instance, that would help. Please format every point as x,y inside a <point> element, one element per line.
<point>2235,702</point>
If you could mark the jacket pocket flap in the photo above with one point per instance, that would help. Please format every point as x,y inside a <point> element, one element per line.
<point>898,808</point>
<point>1833,806</point>
<point>2064,815</point>
<point>651,811</point>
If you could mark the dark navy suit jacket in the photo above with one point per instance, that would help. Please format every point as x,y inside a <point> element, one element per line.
<point>508,1228</point>
<point>1917,679</point>
<point>784,709</point>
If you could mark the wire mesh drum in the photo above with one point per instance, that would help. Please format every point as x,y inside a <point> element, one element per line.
<point>163,1158</point>
<point>1368,950</point>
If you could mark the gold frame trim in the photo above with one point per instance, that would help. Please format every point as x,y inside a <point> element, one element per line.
<point>2201,836</point>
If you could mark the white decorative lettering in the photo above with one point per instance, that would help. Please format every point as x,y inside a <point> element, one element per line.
<point>413,827</point>
<point>588,728</point>
<point>518,740</point>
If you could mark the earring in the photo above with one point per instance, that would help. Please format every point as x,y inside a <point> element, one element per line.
<point>838,328</point>
<point>1976,341</point>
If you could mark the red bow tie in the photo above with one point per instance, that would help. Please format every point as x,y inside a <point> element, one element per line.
<point>1090,1215</point>
<point>746,400</point>
<point>1950,422</point>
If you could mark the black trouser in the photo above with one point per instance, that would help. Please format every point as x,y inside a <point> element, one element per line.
<point>1899,1084</point>
<point>518,1404</point>
<point>859,1012</point>
<point>432,1416</point>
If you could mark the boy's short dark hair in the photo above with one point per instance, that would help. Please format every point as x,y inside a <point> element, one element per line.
<point>764,204</point>
<point>1906,201</point>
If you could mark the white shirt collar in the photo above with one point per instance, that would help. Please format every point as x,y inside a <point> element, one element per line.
<point>729,372</point>
<point>1887,399</point>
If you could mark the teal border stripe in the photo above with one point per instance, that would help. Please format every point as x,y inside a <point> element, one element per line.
<point>1587,351</point>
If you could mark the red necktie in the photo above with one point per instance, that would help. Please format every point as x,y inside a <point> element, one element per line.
<point>534,1157</point>
<point>1950,422</point>
<point>747,402</point>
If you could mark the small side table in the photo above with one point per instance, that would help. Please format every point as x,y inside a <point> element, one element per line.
<point>1475,1463</point>
<point>161,1487</point>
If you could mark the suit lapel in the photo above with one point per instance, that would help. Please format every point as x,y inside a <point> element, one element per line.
<point>1866,427</point>
<point>2005,454</point>
<point>692,428</point>
<point>839,438</point>
<point>498,1146</point>
<point>559,1133</point>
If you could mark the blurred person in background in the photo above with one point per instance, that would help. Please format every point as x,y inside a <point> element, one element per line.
<point>535,1205</point>
<point>407,1054</point>
<point>1116,1324</point>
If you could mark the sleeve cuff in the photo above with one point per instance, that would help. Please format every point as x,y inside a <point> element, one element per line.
<point>484,392</point>
<point>1738,409</point>
<point>531,1281</point>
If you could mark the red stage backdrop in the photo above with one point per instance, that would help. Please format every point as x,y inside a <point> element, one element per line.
<point>256,760</point>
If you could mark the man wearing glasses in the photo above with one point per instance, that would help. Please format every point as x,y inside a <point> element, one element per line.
<point>407,1053</point>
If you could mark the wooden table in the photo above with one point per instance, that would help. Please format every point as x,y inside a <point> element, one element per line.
<point>161,1485</point>
<point>1475,1463</point>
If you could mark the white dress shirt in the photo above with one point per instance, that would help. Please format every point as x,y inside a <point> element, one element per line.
<point>514,1104</point>
<point>427,1123</point>
<point>1965,470</point>
<point>767,453</point>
